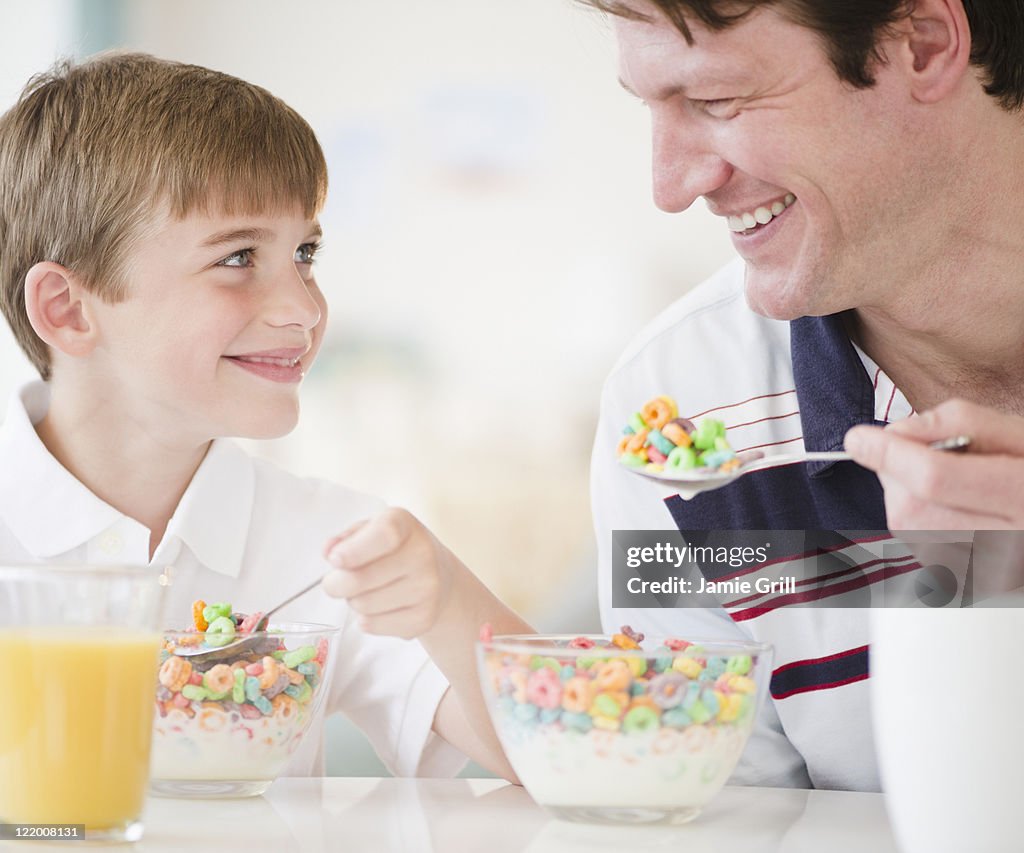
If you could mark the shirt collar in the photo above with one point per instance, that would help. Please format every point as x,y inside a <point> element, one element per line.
<point>50,512</point>
<point>214,514</point>
<point>45,507</point>
<point>832,386</point>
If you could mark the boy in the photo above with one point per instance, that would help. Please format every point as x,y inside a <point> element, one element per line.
<point>157,237</point>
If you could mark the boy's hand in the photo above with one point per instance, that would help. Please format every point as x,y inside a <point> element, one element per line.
<point>393,572</point>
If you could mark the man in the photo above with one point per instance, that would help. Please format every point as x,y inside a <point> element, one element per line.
<point>866,159</point>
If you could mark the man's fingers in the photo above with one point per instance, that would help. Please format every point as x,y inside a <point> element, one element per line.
<point>905,512</point>
<point>374,539</point>
<point>980,483</point>
<point>990,431</point>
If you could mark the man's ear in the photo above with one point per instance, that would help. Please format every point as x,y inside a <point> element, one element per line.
<point>938,39</point>
<point>58,309</point>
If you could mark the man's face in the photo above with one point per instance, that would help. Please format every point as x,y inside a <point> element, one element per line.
<point>222,320</point>
<point>834,180</point>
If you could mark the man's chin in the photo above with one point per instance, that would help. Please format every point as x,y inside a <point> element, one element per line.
<point>773,296</point>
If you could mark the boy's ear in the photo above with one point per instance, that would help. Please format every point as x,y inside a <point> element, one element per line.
<point>57,308</point>
<point>938,37</point>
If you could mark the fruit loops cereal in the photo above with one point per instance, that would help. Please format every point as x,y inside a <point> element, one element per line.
<point>585,723</point>
<point>657,439</point>
<point>234,718</point>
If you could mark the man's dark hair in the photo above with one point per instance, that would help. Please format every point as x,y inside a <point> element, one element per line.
<point>850,30</point>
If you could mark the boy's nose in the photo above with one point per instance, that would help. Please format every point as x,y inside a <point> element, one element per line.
<point>293,302</point>
<point>684,166</point>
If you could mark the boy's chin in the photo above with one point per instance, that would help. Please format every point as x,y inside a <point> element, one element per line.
<point>269,427</point>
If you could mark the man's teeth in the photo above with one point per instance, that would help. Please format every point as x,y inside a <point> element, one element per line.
<point>258,359</point>
<point>761,216</point>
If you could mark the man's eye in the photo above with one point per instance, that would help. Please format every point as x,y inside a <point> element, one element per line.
<point>241,258</point>
<point>715,106</point>
<point>306,253</point>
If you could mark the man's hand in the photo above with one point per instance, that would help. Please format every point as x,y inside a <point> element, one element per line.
<point>927,489</point>
<point>393,572</point>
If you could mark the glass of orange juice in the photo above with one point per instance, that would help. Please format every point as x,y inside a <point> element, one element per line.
<point>79,647</point>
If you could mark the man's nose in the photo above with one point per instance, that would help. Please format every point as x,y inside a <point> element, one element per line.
<point>685,165</point>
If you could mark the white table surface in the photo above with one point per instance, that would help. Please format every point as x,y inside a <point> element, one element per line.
<point>491,816</point>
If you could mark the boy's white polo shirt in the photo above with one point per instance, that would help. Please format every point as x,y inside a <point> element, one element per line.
<point>248,533</point>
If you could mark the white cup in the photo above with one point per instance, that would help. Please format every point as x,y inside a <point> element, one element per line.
<point>947,698</point>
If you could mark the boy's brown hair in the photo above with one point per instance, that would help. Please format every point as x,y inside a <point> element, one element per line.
<point>95,153</point>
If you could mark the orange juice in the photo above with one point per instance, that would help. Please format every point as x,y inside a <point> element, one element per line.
<point>75,724</point>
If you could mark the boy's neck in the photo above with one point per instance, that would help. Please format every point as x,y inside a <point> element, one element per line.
<point>118,460</point>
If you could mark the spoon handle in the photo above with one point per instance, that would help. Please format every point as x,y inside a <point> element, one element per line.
<point>790,458</point>
<point>956,444</point>
<point>266,616</point>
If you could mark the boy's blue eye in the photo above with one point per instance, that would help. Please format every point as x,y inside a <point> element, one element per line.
<point>306,253</point>
<point>241,258</point>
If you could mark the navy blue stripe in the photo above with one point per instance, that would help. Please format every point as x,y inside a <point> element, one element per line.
<point>847,497</point>
<point>834,392</point>
<point>816,675</point>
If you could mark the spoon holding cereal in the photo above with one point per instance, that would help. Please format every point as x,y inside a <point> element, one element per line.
<point>695,458</point>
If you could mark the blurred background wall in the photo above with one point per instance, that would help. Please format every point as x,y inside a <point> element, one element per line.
<point>490,247</point>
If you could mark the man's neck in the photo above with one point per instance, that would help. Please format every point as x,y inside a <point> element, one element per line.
<point>978,356</point>
<point>948,320</point>
<point>119,459</point>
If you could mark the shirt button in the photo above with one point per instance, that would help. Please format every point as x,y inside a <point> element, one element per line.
<point>110,543</point>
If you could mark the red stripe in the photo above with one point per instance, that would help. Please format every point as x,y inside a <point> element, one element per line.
<point>826,592</point>
<point>823,578</point>
<point>771,444</point>
<point>811,687</point>
<point>874,386</point>
<point>814,552</point>
<point>742,402</point>
<point>891,398</point>
<point>762,420</point>
<point>826,659</point>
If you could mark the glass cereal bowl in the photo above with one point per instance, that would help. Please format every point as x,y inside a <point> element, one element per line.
<point>227,727</point>
<point>602,729</point>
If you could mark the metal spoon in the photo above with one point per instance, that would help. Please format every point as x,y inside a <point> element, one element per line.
<point>245,644</point>
<point>690,482</point>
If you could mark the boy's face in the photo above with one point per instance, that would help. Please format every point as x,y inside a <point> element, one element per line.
<point>222,320</point>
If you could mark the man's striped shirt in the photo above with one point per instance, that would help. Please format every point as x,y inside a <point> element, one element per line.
<point>779,387</point>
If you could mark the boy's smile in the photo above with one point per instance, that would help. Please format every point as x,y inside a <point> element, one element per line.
<point>280,365</point>
<point>222,319</point>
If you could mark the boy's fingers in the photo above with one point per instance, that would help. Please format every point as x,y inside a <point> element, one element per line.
<point>971,482</point>
<point>345,534</point>
<point>990,431</point>
<point>395,596</point>
<point>374,539</point>
<point>346,583</point>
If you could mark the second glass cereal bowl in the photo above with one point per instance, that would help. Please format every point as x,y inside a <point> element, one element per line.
<point>608,730</point>
<point>227,728</point>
